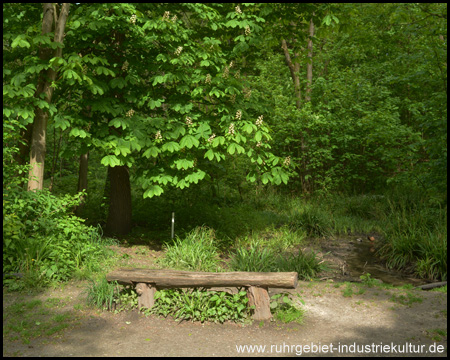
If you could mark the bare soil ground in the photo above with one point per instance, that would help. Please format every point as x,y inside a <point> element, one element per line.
<point>341,319</point>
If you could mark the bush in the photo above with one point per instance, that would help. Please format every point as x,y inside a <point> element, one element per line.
<point>40,235</point>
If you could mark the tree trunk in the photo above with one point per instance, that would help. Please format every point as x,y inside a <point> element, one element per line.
<point>119,216</point>
<point>82,180</point>
<point>294,68</point>
<point>23,156</point>
<point>46,77</point>
<point>309,67</point>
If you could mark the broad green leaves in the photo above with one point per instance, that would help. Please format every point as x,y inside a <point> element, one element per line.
<point>189,141</point>
<point>151,91</point>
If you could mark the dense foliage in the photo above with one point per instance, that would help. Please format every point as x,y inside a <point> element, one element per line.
<point>197,106</point>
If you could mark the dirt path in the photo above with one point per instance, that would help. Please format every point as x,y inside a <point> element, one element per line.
<point>336,313</point>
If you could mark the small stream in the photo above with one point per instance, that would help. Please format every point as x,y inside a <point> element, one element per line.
<point>362,260</point>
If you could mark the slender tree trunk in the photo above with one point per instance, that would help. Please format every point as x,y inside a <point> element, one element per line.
<point>119,217</point>
<point>55,158</point>
<point>23,156</point>
<point>309,66</point>
<point>82,180</point>
<point>46,77</point>
<point>294,68</point>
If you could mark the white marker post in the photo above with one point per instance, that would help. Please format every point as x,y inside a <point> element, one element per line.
<point>173,225</point>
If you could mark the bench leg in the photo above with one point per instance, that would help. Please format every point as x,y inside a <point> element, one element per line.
<point>259,297</point>
<point>146,294</point>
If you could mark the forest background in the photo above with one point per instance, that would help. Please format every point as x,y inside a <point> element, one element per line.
<point>317,119</point>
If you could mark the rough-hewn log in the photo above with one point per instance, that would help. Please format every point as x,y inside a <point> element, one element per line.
<point>177,279</point>
<point>259,297</point>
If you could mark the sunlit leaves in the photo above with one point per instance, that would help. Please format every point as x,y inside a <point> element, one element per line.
<point>110,160</point>
<point>20,41</point>
<point>189,141</point>
<point>153,190</point>
<point>151,152</point>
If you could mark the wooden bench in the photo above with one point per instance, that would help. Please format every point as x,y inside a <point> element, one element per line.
<point>256,284</point>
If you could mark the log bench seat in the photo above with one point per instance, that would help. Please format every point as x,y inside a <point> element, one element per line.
<point>147,282</point>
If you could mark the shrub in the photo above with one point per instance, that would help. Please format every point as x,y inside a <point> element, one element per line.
<point>40,235</point>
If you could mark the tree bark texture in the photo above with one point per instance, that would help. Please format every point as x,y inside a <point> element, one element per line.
<point>119,215</point>
<point>294,68</point>
<point>82,180</point>
<point>44,90</point>
<point>177,279</point>
<point>309,66</point>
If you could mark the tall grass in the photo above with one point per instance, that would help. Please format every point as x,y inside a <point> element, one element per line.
<point>416,236</point>
<point>313,219</point>
<point>197,251</point>
<point>255,258</point>
<point>260,259</point>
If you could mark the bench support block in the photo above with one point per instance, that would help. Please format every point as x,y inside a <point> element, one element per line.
<point>146,294</point>
<point>259,297</point>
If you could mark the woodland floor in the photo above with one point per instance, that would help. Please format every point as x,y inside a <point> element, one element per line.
<point>370,316</point>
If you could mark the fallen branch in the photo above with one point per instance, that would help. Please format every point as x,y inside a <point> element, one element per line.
<point>432,286</point>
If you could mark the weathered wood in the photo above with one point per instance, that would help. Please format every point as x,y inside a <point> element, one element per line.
<point>259,297</point>
<point>257,284</point>
<point>146,294</point>
<point>432,286</point>
<point>177,279</point>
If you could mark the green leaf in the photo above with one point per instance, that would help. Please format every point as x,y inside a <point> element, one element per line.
<point>171,146</point>
<point>232,148</point>
<point>266,177</point>
<point>102,70</point>
<point>232,23</point>
<point>154,103</point>
<point>219,140</point>
<point>119,82</point>
<point>209,154</point>
<point>153,190</point>
<point>20,41</point>
<point>153,151</point>
<point>184,164</point>
<point>110,160</point>
<point>189,141</point>
<point>248,127</point>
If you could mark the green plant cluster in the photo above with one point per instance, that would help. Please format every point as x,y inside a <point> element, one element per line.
<point>200,305</point>
<point>283,308</point>
<point>259,259</point>
<point>102,294</point>
<point>197,251</point>
<point>416,234</point>
<point>43,240</point>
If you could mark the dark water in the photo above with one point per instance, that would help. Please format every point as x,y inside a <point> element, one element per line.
<point>362,260</point>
